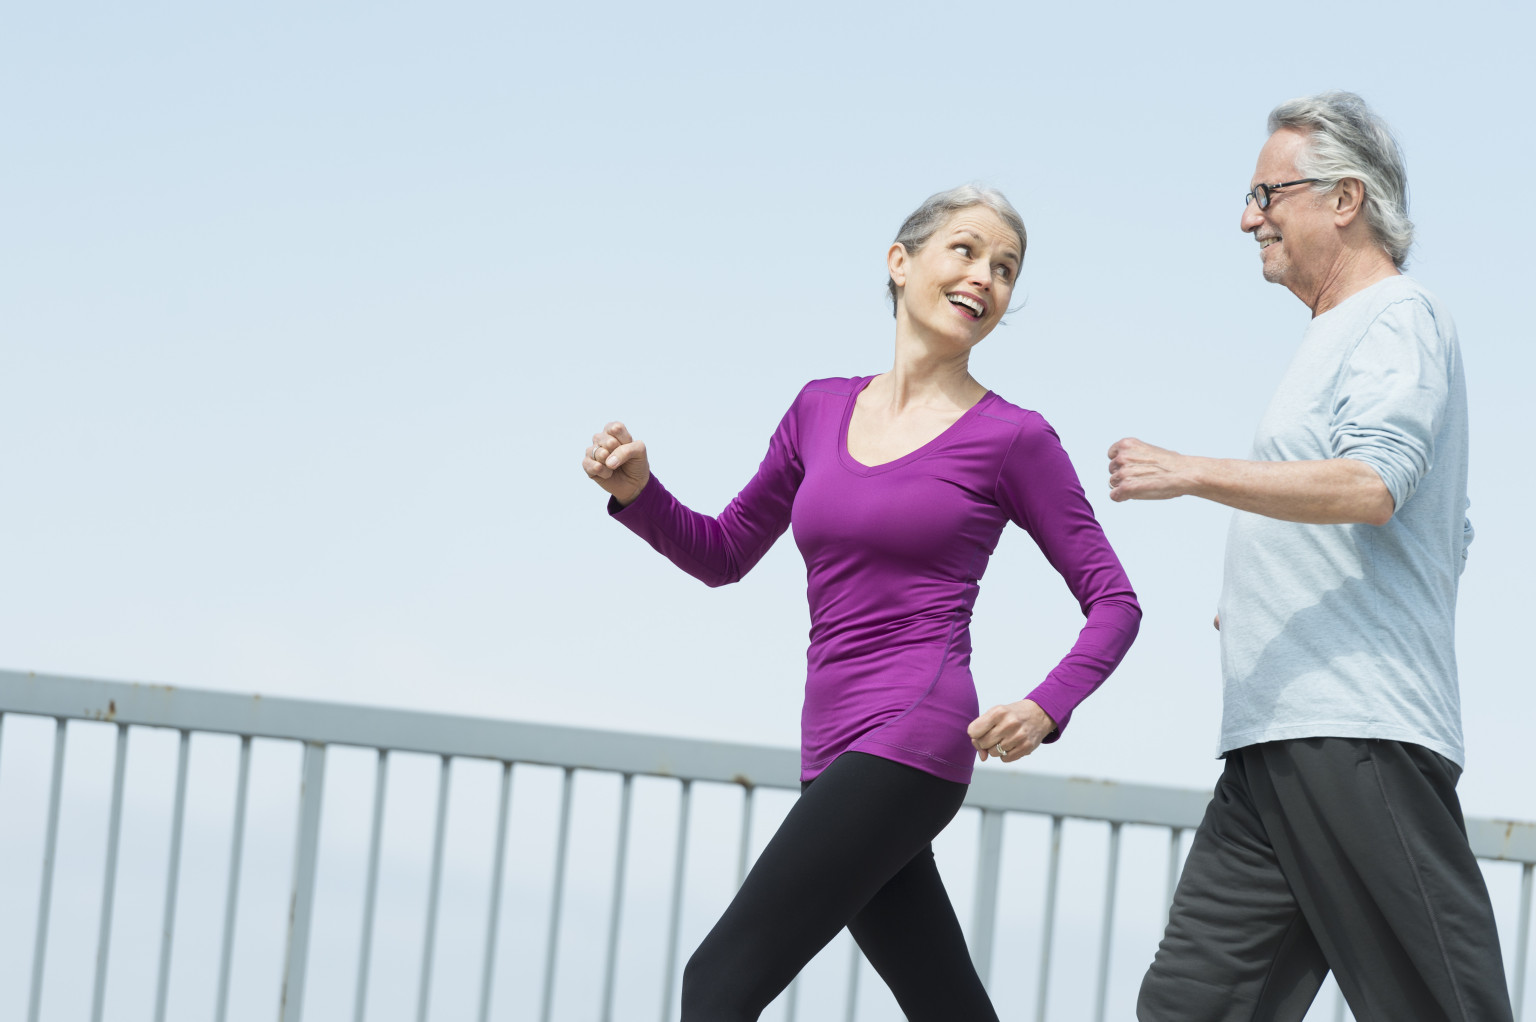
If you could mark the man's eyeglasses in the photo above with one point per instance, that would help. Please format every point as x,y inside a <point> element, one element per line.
<point>1262,193</point>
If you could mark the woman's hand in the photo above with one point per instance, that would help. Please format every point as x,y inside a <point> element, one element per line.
<point>1010,732</point>
<point>616,461</point>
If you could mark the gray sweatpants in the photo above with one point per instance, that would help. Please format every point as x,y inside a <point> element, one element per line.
<point>1321,853</point>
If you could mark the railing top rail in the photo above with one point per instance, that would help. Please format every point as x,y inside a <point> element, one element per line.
<point>438,734</point>
<point>441,734</point>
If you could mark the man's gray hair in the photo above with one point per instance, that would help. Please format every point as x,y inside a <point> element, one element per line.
<point>1346,138</point>
<point>939,207</point>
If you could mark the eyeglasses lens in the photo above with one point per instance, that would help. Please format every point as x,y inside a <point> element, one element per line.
<point>1261,196</point>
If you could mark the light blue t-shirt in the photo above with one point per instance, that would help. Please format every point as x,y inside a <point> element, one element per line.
<point>1349,630</point>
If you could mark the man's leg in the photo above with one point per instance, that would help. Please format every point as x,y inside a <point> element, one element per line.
<point>1370,835</point>
<point>1237,947</point>
<point>854,828</point>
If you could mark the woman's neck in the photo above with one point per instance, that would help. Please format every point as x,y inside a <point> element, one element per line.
<point>923,376</point>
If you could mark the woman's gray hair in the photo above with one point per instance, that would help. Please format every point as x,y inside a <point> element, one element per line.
<point>1345,138</point>
<point>939,207</point>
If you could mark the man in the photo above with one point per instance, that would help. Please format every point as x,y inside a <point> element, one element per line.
<point>1335,838</point>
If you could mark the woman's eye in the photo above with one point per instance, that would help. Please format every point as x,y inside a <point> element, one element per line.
<point>964,250</point>
<point>1006,272</point>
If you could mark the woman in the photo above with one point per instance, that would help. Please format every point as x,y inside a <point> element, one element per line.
<point>898,487</point>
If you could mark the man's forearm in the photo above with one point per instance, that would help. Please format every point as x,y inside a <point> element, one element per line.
<point>1336,491</point>
<point>1332,492</point>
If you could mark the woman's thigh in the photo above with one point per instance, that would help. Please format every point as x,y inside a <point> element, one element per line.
<point>910,934</point>
<point>853,829</point>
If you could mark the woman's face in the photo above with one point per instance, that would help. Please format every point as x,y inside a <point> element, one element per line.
<point>957,285</point>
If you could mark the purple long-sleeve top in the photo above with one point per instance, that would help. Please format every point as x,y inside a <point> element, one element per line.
<point>894,555</point>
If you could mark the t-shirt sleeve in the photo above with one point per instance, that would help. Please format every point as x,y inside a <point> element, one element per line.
<point>1391,397</point>
<point>1038,488</point>
<point>720,550</point>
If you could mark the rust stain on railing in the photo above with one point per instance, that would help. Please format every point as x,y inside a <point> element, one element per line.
<point>1514,831</point>
<point>109,715</point>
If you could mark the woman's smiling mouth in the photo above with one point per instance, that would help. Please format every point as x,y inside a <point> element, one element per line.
<point>969,305</point>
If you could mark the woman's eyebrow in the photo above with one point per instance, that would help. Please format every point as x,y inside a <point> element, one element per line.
<point>1007,253</point>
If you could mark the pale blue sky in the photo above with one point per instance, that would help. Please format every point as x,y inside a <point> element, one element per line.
<point>308,313</point>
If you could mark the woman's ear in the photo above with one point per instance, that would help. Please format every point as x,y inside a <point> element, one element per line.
<point>896,262</point>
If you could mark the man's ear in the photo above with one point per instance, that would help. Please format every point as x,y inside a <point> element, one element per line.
<point>1349,202</point>
<point>896,262</point>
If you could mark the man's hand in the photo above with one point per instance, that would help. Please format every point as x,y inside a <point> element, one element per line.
<point>1139,471</point>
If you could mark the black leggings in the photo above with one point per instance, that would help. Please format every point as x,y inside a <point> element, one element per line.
<point>854,851</point>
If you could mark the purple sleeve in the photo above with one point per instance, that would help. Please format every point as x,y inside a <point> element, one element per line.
<point>720,550</point>
<point>1038,488</point>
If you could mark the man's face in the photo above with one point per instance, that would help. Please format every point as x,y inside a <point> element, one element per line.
<point>1296,234</point>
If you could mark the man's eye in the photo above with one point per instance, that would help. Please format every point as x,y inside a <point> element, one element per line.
<point>963,249</point>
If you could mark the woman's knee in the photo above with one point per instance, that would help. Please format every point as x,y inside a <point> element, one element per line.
<point>711,991</point>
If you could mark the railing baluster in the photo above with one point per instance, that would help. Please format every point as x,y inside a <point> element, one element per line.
<point>1175,840</point>
<point>172,879</point>
<point>1523,939</point>
<point>370,894</point>
<point>552,945</point>
<point>791,999</point>
<point>45,896</point>
<point>434,886</point>
<point>744,849</point>
<point>621,857</point>
<point>989,858</point>
<point>668,977</point>
<point>493,915</point>
<point>1052,873</point>
<point>232,894</point>
<point>1105,940</point>
<point>301,901</point>
<point>851,1005</point>
<point>109,880</point>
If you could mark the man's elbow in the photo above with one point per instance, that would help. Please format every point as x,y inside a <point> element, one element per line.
<point>1380,506</point>
<point>1372,499</point>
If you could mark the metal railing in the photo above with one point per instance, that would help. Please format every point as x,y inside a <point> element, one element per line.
<point>996,797</point>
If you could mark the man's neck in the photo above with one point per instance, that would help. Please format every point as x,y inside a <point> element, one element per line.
<point>1355,270</point>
